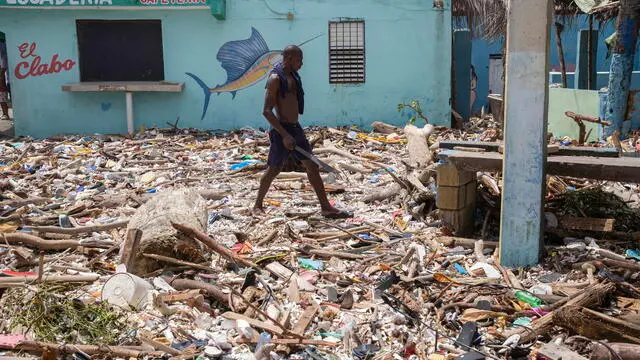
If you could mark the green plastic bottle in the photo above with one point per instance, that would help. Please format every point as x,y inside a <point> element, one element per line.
<point>528,298</point>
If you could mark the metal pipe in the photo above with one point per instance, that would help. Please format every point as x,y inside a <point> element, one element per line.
<point>129,101</point>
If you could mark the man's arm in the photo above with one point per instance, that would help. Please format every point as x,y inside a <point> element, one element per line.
<point>271,97</point>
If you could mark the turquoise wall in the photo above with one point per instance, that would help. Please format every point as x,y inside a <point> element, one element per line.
<point>408,52</point>
<point>481,49</point>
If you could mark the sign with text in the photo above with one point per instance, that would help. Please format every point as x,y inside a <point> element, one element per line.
<point>33,65</point>
<point>103,3</point>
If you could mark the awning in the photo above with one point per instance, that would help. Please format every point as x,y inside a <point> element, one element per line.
<point>217,7</point>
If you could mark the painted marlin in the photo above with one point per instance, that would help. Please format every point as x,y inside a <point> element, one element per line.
<point>246,61</point>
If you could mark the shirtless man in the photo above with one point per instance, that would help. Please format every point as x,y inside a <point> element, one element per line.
<point>285,94</point>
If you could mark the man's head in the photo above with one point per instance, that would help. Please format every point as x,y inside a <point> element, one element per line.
<point>292,57</point>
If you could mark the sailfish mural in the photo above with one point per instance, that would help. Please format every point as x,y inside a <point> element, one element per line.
<point>246,61</point>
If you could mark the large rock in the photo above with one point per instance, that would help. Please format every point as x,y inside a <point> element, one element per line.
<point>154,218</point>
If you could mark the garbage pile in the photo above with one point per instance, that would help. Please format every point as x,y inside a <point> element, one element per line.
<point>146,247</point>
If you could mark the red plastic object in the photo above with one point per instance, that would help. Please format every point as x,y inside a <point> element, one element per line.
<point>16,273</point>
<point>10,341</point>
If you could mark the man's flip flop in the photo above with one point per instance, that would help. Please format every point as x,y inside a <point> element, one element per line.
<point>339,215</point>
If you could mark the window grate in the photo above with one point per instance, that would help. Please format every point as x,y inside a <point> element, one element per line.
<point>346,52</point>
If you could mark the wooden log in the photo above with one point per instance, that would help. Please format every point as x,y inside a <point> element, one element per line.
<point>79,230</point>
<point>155,218</point>
<point>116,351</point>
<point>253,322</point>
<point>417,146</point>
<point>48,279</point>
<point>20,238</point>
<point>387,129</point>
<point>180,262</point>
<point>453,241</point>
<point>625,351</point>
<point>213,245</point>
<point>211,290</point>
<point>623,264</point>
<point>596,326</point>
<point>380,195</point>
<point>592,296</point>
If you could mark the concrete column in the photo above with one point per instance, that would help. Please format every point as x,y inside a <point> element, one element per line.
<point>462,72</point>
<point>526,99</point>
<point>582,60</point>
<point>622,65</point>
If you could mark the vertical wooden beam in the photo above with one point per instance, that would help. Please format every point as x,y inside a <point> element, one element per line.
<point>526,99</point>
<point>585,59</point>
<point>622,65</point>
<point>462,73</point>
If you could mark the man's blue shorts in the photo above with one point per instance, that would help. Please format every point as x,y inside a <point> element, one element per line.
<point>278,154</point>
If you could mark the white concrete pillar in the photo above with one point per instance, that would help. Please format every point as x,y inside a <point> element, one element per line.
<point>525,114</point>
<point>129,105</point>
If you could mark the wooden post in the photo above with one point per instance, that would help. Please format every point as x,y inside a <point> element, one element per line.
<point>563,65</point>
<point>622,65</point>
<point>526,97</point>
<point>462,70</point>
<point>586,57</point>
<point>456,198</point>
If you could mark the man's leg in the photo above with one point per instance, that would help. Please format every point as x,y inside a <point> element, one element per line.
<point>265,183</point>
<point>5,109</point>
<point>313,173</point>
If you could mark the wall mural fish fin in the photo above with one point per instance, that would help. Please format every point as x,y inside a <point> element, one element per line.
<point>236,57</point>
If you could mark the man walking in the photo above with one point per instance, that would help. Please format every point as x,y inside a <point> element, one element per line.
<point>285,94</point>
<point>4,89</point>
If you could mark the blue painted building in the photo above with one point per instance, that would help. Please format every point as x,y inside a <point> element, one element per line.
<point>482,51</point>
<point>79,66</point>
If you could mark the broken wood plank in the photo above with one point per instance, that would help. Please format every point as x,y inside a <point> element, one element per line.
<point>558,352</point>
<point>592,296</point>
<point>624,169</point>
<point>78,230</point>
<point>116,351</point>
<point>180,262</point>
<point>551,149</point>
<point>253,322</point>
<point>306,319</point>
<point>628,303</point>
<point>131,244</point>
<point>147,338</point>
<point>213,245</point>
<point>564,150</point>
<point>590,224</point>
<point>179,296</point>
<point>595,325</point>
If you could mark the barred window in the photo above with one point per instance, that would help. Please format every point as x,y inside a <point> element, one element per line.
<point>346,52</point>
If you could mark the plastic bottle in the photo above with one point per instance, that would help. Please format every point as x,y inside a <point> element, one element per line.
<point>528,298</point>
<point>263,340</point>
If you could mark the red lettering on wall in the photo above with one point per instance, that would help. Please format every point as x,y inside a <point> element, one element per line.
<point>25,69</point>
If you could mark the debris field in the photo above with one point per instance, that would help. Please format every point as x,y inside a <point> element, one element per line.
<point>119,247</point>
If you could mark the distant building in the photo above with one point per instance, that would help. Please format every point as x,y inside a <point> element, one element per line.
<point>71,62</point>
